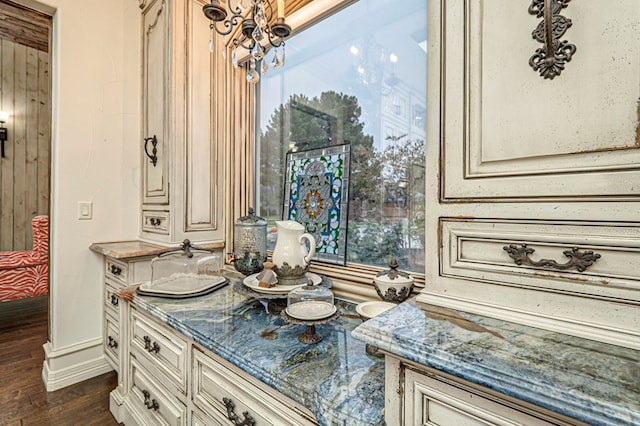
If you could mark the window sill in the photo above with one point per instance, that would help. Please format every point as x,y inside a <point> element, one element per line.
<point>355,282</point>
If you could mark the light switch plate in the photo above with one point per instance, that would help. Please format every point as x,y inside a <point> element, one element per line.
<point>85,210</point>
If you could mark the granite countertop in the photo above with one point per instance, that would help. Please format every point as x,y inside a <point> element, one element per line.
<point>594,382</point>
<point>132,249</point>
<point>335,379</point>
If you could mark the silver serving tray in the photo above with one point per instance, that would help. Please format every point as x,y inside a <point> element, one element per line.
<point>182,287</point>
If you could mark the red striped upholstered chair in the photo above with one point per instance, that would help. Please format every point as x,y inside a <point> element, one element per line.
<point>26,273</point>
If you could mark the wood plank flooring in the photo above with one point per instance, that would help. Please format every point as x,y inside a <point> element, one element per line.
<point>23,398</point>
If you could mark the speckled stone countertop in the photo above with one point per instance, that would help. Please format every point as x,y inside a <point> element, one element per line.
<point>132,249</point>
<point>593,382</point>
<point>335,378</point>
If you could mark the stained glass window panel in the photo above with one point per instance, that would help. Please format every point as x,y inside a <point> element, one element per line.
<point>317,194</point>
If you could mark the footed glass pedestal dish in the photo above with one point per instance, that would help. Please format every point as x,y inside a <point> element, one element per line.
<point>309,336</point>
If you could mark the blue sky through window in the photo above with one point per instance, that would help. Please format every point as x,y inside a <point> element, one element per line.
<point>366,50</point>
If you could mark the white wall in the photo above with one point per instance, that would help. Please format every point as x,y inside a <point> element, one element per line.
<point>95,157</point>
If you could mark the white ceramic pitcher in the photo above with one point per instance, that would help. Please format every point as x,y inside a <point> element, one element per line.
<point>290,256</point>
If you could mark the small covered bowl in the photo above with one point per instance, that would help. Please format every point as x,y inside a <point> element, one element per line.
<point>392,285</point>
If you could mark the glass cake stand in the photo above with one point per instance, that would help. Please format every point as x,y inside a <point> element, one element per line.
<point>309,336</point>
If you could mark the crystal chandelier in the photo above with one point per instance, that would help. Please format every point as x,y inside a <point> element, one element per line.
<point>255,31</point>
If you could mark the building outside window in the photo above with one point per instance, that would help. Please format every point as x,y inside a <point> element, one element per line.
<point>355,79</point>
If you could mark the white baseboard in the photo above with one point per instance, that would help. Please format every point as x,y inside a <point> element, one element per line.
<point>73,364</point>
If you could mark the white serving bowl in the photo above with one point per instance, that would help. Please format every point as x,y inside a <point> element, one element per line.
<point>368,310</point>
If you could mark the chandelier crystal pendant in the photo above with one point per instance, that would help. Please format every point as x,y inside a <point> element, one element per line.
<point>256,34</point>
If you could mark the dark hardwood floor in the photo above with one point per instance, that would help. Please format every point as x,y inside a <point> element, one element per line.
<point>23,398</point>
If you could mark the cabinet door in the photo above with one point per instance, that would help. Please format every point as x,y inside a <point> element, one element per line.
<point>155,104</point>
<point>510,134</point>
<point>201,157</point>
<point>533,193</point>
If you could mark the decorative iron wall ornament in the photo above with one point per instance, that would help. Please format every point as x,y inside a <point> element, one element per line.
<point>580,260</point>
<point>549,59</point>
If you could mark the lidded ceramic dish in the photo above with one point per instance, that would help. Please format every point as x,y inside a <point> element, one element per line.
<point>393,285</point>
<point>310,302</point>
<point>185,267</point>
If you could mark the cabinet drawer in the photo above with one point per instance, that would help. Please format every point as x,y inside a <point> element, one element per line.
<point>111,340</point>
<point>217,388</point>
<point>198,418</point>
<point>111,301</point>
<point>441,401</point>
<point>156,222</point>
<point>116,271</point>
<point>164,350</point>
<point>569,257</point>
<point>152,400</point>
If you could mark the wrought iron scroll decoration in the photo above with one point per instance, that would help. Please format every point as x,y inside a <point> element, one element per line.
<point>151,404</point>
<point>151,348</point>
<point>235,419</point>
<point>549,60</point>
<point>580,260</point>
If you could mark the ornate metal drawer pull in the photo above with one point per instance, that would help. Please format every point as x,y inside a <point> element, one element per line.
<point>151,348</point>
<point>112,343</point>
<point>580,260</point>
<point>151,404</point>
<point>115,270</point>
<point>549,59</point>
<point>153,156</point>
<point>155,221</point>
<point>114,300</point>
<point>248,420</point>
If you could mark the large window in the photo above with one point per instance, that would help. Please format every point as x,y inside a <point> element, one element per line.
<point>357,80</point>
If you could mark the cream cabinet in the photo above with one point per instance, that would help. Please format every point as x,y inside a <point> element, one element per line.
<point>124,263</point>
<point>534,185</point>
<point>118,274</point>
<point>219,388</point>
<point>181,155</point>
<point>167,379</point>
<point>160,351</point>
<point>418,395</point>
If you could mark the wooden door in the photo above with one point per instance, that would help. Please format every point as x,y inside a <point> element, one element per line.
<point>25,95</point>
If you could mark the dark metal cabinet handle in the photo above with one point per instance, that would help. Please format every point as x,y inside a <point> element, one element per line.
<point>155,221</point>
<point>153,156</point>
<point>550,59</point>
<point>248,420</point>
<point>115,270</point>
<point>112,343</point>
<point>578,259</point>
<point>151,347</point>
<point>114,300</point>
<point>151,404</point>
